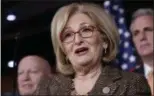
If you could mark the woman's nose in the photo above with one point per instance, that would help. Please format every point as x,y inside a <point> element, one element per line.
<point>77,38</point>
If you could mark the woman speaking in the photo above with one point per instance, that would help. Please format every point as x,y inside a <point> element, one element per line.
<point>85,41</point>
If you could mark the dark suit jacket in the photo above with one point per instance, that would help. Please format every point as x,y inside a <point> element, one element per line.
<point>10,94</point>
<point>111,82</point>
<point>139,69</point>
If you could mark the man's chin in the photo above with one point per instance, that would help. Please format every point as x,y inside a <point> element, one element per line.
<point>146,54</point>
<point>26,93</point>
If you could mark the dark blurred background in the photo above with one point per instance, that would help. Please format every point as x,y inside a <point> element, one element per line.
<point>30,32</point>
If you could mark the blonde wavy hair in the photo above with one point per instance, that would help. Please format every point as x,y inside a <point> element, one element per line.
<point>103,21</point>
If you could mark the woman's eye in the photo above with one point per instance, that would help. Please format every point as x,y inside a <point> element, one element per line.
<point>87,29</point>
<point>67,35</point>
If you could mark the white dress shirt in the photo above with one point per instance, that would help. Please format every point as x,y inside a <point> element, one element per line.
<point>147,69</point>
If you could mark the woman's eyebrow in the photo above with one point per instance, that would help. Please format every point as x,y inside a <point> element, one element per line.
<point>83,23</point>
<point>67,27</point>
<point>80,26</point>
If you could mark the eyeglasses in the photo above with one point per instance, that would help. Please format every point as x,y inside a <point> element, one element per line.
<point>84,32</point>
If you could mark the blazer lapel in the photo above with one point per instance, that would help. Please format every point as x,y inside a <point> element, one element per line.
<point>106,85</point>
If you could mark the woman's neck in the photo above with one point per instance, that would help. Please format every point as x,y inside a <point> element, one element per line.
<point>89,72</point>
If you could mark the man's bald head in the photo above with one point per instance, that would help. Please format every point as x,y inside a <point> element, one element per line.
<point>30,71</point>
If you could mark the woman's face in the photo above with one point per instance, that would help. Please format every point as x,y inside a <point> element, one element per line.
<point>81,41</point>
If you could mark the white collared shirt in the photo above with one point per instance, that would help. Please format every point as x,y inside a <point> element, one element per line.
<point>147,69</point>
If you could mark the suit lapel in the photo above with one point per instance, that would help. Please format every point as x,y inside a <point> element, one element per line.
<point>139,69</point>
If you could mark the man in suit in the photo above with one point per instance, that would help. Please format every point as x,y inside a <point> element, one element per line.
<point>142,34</point>
<point>31,70</point>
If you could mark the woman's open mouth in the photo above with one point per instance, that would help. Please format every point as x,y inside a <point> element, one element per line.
<point>81,51</point>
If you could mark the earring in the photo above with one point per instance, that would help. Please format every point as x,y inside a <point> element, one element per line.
<point>105,50</point>
<point>105,45</point>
